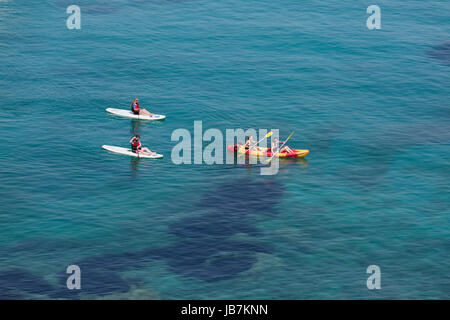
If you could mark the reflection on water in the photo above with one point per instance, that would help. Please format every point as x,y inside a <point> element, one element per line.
<point>135,130</point>
<point>302,162</point>
<point>134,164</point>
<point>135,127</point>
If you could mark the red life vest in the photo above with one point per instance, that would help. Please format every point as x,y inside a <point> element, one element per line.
<point>135,144</point>
<point>135,108</point>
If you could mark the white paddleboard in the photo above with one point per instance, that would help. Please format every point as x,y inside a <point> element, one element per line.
<point>129,114</point>
<point>128,152</point>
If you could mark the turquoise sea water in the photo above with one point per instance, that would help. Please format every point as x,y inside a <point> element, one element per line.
<point>372,106</point>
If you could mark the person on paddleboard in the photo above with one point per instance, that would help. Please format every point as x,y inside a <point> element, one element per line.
<point>137,110</point>
<point>275,147</point>
<point>136,146</point>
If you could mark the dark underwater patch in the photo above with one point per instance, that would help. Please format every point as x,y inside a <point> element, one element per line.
<point>18,283</point>
<point>211,225</point>
<point>441,53</point>
<point>8,295</point>
<point>227,209</point>
<point>212,260</point>
<point>101,275</point>
<point>203,249</point>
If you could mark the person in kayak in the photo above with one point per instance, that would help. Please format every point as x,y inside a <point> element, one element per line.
<point>137,110</point>
<point>275,147</point>
<point>249,144</point>
<point>136,146</point>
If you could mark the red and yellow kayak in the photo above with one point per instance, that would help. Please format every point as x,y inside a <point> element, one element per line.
<point>267,152</point>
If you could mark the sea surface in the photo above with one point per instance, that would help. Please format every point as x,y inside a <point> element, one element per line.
<point>372,106</point>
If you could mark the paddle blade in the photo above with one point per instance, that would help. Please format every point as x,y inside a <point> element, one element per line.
<point>290,136</point>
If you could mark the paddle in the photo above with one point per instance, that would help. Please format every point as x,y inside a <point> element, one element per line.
<point>268,160</point>
<point>265,137</point>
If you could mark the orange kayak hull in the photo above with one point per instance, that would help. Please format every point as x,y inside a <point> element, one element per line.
<point>267,152</point>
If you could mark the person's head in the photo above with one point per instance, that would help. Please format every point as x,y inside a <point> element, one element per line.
<point>275,140</point>
<point>136,100</point>
<point>250,138</point>
<point>137,137</point>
